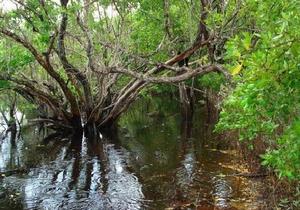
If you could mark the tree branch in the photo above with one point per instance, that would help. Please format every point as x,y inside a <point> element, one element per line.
<point>174,79</point>
<point>68,67</point>
<point>45,63</point>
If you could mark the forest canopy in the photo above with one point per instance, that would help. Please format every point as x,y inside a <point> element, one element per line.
<point>84,62</point>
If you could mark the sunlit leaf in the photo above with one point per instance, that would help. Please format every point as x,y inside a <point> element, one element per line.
<point>236,70</point>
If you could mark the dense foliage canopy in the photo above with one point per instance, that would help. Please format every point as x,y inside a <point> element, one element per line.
<point>85,62</point>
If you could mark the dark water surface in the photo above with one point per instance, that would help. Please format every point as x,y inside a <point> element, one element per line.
<point>155,160</point>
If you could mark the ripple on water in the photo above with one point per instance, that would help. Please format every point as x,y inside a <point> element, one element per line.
<point>148,166</point>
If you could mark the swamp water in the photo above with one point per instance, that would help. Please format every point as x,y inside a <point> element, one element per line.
<point>155,160</point>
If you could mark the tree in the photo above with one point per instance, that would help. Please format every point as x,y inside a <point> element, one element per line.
<point>78,57</point>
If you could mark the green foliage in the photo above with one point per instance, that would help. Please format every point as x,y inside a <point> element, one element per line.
<point>4,84</point>
<point>262,53</point>
<point>212,80</point>
<point>266,69</point>
<point>286,158</point>
<point>159,89</point>
<point>148,29</point>
<point>13,57</point>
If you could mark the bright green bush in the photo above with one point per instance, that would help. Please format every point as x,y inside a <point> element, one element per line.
<point>286,157</point>
<point>265,62</point>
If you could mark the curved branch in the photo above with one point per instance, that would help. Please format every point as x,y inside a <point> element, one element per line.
<point>30,89</point>
<point>174,79</point>
<point>45,63</point>
<point>130,89</point>
<point>26,44</point>
<point>123,102</point>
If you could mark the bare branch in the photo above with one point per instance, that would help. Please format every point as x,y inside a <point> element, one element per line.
<point>174,79</point>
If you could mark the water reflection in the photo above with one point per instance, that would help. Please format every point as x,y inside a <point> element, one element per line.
<point>86,175</point>
<point>10,153</point>
<point>154,162</point>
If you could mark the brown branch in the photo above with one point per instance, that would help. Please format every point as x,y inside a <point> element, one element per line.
<point>122,103</point>
<point>51,43</point>
<point>31,88</point>
<point>45,63</point>
<point>128,93</point>
<point>167,19</point>
<point>68,67</point>
<point>136,84</point>
<point>174,79</point>
<point>29,9</point>
<point>26,44</point>
<point>89,46</point>
<point>117,9</point>
<point>156,69</point>
<point>39,97</point>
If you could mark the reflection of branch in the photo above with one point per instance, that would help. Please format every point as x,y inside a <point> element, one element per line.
<point>15,171</point>
<point>50,121</point>
<point>4,117</point>
<point>249,175</point>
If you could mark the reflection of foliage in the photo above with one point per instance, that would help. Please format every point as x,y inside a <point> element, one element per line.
<point>148,112</point>
<point>152,131</point>
<point>33,149</point>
